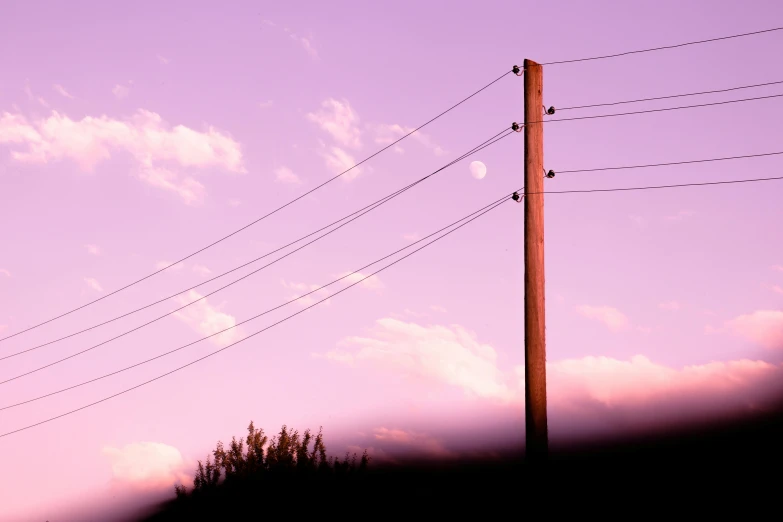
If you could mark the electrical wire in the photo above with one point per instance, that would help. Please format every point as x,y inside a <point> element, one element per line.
<point>659,110</point>
<point>669,97</point>
<point>672,163</point>
<point>481,146</point>
<point>357,271</point>
<point>663,47</point>
<point>492,207</point>
<point>262,217</point>
<point>658,186</point>
<point>476,149</point>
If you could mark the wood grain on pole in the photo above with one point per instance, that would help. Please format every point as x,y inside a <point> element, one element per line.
<point>535,325</point>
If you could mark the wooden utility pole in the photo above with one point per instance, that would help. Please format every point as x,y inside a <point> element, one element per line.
<point>535,327</point>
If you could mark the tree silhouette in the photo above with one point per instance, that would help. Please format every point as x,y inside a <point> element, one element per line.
<point>246,464</point>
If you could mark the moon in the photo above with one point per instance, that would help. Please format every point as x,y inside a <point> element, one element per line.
<point>478,170</point>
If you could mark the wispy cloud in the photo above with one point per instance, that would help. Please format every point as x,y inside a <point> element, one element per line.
<point>201,270</point>
<point>93,249</point>
<point>163,60</point>
<point>411,237</point>
<point>234,202</point>
<point>145,136</point>
<point>389,133</point>
<point>303,289</point>
<point>5,272</point>
<point>32,97</point>
<point>92,283</point>
<point>160,265</point>
<point>370,283</point>
<point>679,216</point>
<point>437,308</point>
<point>639,220</point>
<point>779,268</point>
<point>120,91</point>
<point>612,318</point>
<point>338,118</point>
<point>307,45</point>
<point>266,104</point>
<point>671,306</point>
<point>206,320</point>
<point>61,91</point>
<point>339,162</point>
<point>285,175</point>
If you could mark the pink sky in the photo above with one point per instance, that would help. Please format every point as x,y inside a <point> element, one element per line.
<point>134,135</point>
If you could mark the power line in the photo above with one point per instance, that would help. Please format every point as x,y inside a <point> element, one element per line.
<point>480,212</point>
<point>660,186</point>
<point>358,270</point>
<point>664,47</point>
<point>262,217</point>
<point>385,199</point>
<point>661,110</point>
<point>492,207</point>
<point>245,276</point>
<point>671,163</point>
<point>669,97</point>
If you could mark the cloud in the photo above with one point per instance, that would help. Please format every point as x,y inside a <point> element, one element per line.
<point>389,133</point>
<point>160,265</point>
<point>201,270</point>
<point>339,161</point>
<point>371,283</point>
<point>450,355</point>
<point>145,136</point>
<point>269,23</point>
<point>120,91</point>
<point>285,175</point>
<point>93,249</point>
<point>671,305</point>
<point>5,272</point>
<point>437,308</point>
<point>234,202</point>
<point>777,289</point>
<point>33,97</point>
<point>301,289</point>
<point>411,237</point>
<point>409,440</point>
<point>92,283</point>
<point>191,191</point>
<point>763,327</point>
<point>307,45</point>
<point>337,118</point>
<point>266,104</point>
<point>639,220</point>
<point>679,216</point>
<point>606,392</point>
<point>163,60</point>
<point>206,320</point>
<point>779,268</point>
<point>616,384</point>
<point>478,170</point>
<point>147,465</point>
<point>611,317</point>
<point>61,91</point>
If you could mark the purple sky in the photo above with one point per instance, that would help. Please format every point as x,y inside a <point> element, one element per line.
<point>135,134</point>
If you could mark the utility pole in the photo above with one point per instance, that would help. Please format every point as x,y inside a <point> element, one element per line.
<point>537,445</point>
